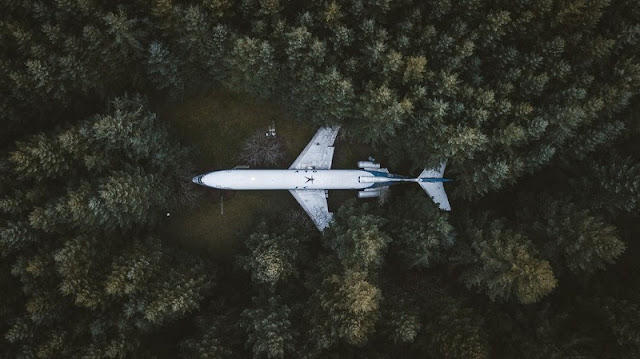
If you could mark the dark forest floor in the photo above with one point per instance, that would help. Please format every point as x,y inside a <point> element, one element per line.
<point>216,124</point>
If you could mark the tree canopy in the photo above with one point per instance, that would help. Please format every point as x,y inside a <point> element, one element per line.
<point>533,103</point>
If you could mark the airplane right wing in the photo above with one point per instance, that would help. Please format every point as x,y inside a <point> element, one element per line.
<point>319,151</point>
<point>314,202</point>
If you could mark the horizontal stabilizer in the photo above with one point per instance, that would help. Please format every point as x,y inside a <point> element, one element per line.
<point>436,191</point>
<point>437,172</point>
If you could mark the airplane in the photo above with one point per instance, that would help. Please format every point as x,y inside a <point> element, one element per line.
<point>310,177</point>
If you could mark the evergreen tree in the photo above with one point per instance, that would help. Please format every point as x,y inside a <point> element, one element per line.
<point>345,307</point>
<point>400,319</point>
<point>503,89</point>
<point>622,318</point>
<point>252,67</point>
<point>617,189</point>
<point>14,236</point>
<point>75,243</point>
<point>503,264</point>
<point>383,113</point>
<point>579,240</point>
<point>357,239</point>
<point>211,344</point>
<point>162,69</point>
<point>272,258</point>
<point>420,230</point>
<point>269,328</point>
<point>40,158</point>
<point>123,41</point>
<point>453,331</point>
<point>323,97</point>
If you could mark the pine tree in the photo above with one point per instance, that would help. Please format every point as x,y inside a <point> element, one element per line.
<point>382,113</point>
<point>303,50</point>
<point>201,44</point>
<point>212,343</point>
<point>400,319</point>
<point>618,187</point>
<point>504,264</point>
<point>420,230</point>
<point>415,69</point>
<point>622,318</point>
<point>269,328</point>
<point>345,305</point>
<point>125,35</point>
<point>582,242</point>
<point>173,293</point>
<point>252,67</point>
<point>134,267</point>
<point>127,198</point>
<point>357,239</point>
<point>40,158</point>
<point>16,235</point>
<point>79,258</point>
<point>454,331</point>
<point>325,97</point>
<point>346,308</point>
<point>272,258</point>
<point>74,261</point>
<point>162,69</point>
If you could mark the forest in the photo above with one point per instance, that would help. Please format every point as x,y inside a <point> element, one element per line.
<point>535,104</point>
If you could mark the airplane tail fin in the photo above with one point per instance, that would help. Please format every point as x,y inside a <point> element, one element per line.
<point>432,182</point>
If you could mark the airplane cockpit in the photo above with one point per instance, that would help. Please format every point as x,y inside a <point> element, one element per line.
<point>198,179</point>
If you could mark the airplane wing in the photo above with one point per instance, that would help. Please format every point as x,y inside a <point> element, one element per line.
<point>319,152</point>
<point>314,202</point>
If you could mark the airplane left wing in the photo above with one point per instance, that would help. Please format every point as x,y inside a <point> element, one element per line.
<point>319,152</point>
<point>314,202</point>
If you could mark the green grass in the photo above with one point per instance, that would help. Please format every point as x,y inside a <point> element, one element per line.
<point>216,124</point>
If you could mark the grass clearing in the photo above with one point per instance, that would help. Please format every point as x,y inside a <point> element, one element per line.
<point>216,124</point>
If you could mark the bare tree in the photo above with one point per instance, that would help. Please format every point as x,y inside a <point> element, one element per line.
<point>262,150</point>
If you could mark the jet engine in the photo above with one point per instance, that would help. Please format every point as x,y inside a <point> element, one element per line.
<point>368,194</point>
<point>368,164</point>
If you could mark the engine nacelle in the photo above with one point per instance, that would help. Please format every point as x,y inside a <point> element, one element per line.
<point>368,194</point>
<point>368,164</point>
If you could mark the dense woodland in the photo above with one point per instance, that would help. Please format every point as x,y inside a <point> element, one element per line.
<point>533,102</point>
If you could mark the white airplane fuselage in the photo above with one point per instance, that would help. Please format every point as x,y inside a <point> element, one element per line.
<point>297,179</point>
<point>310,177</point>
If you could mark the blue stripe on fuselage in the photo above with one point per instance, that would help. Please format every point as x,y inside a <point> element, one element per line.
<point>435,180</point>
<point>387,175</point>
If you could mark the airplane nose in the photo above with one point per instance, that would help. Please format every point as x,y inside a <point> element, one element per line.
<point>197,180</point>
